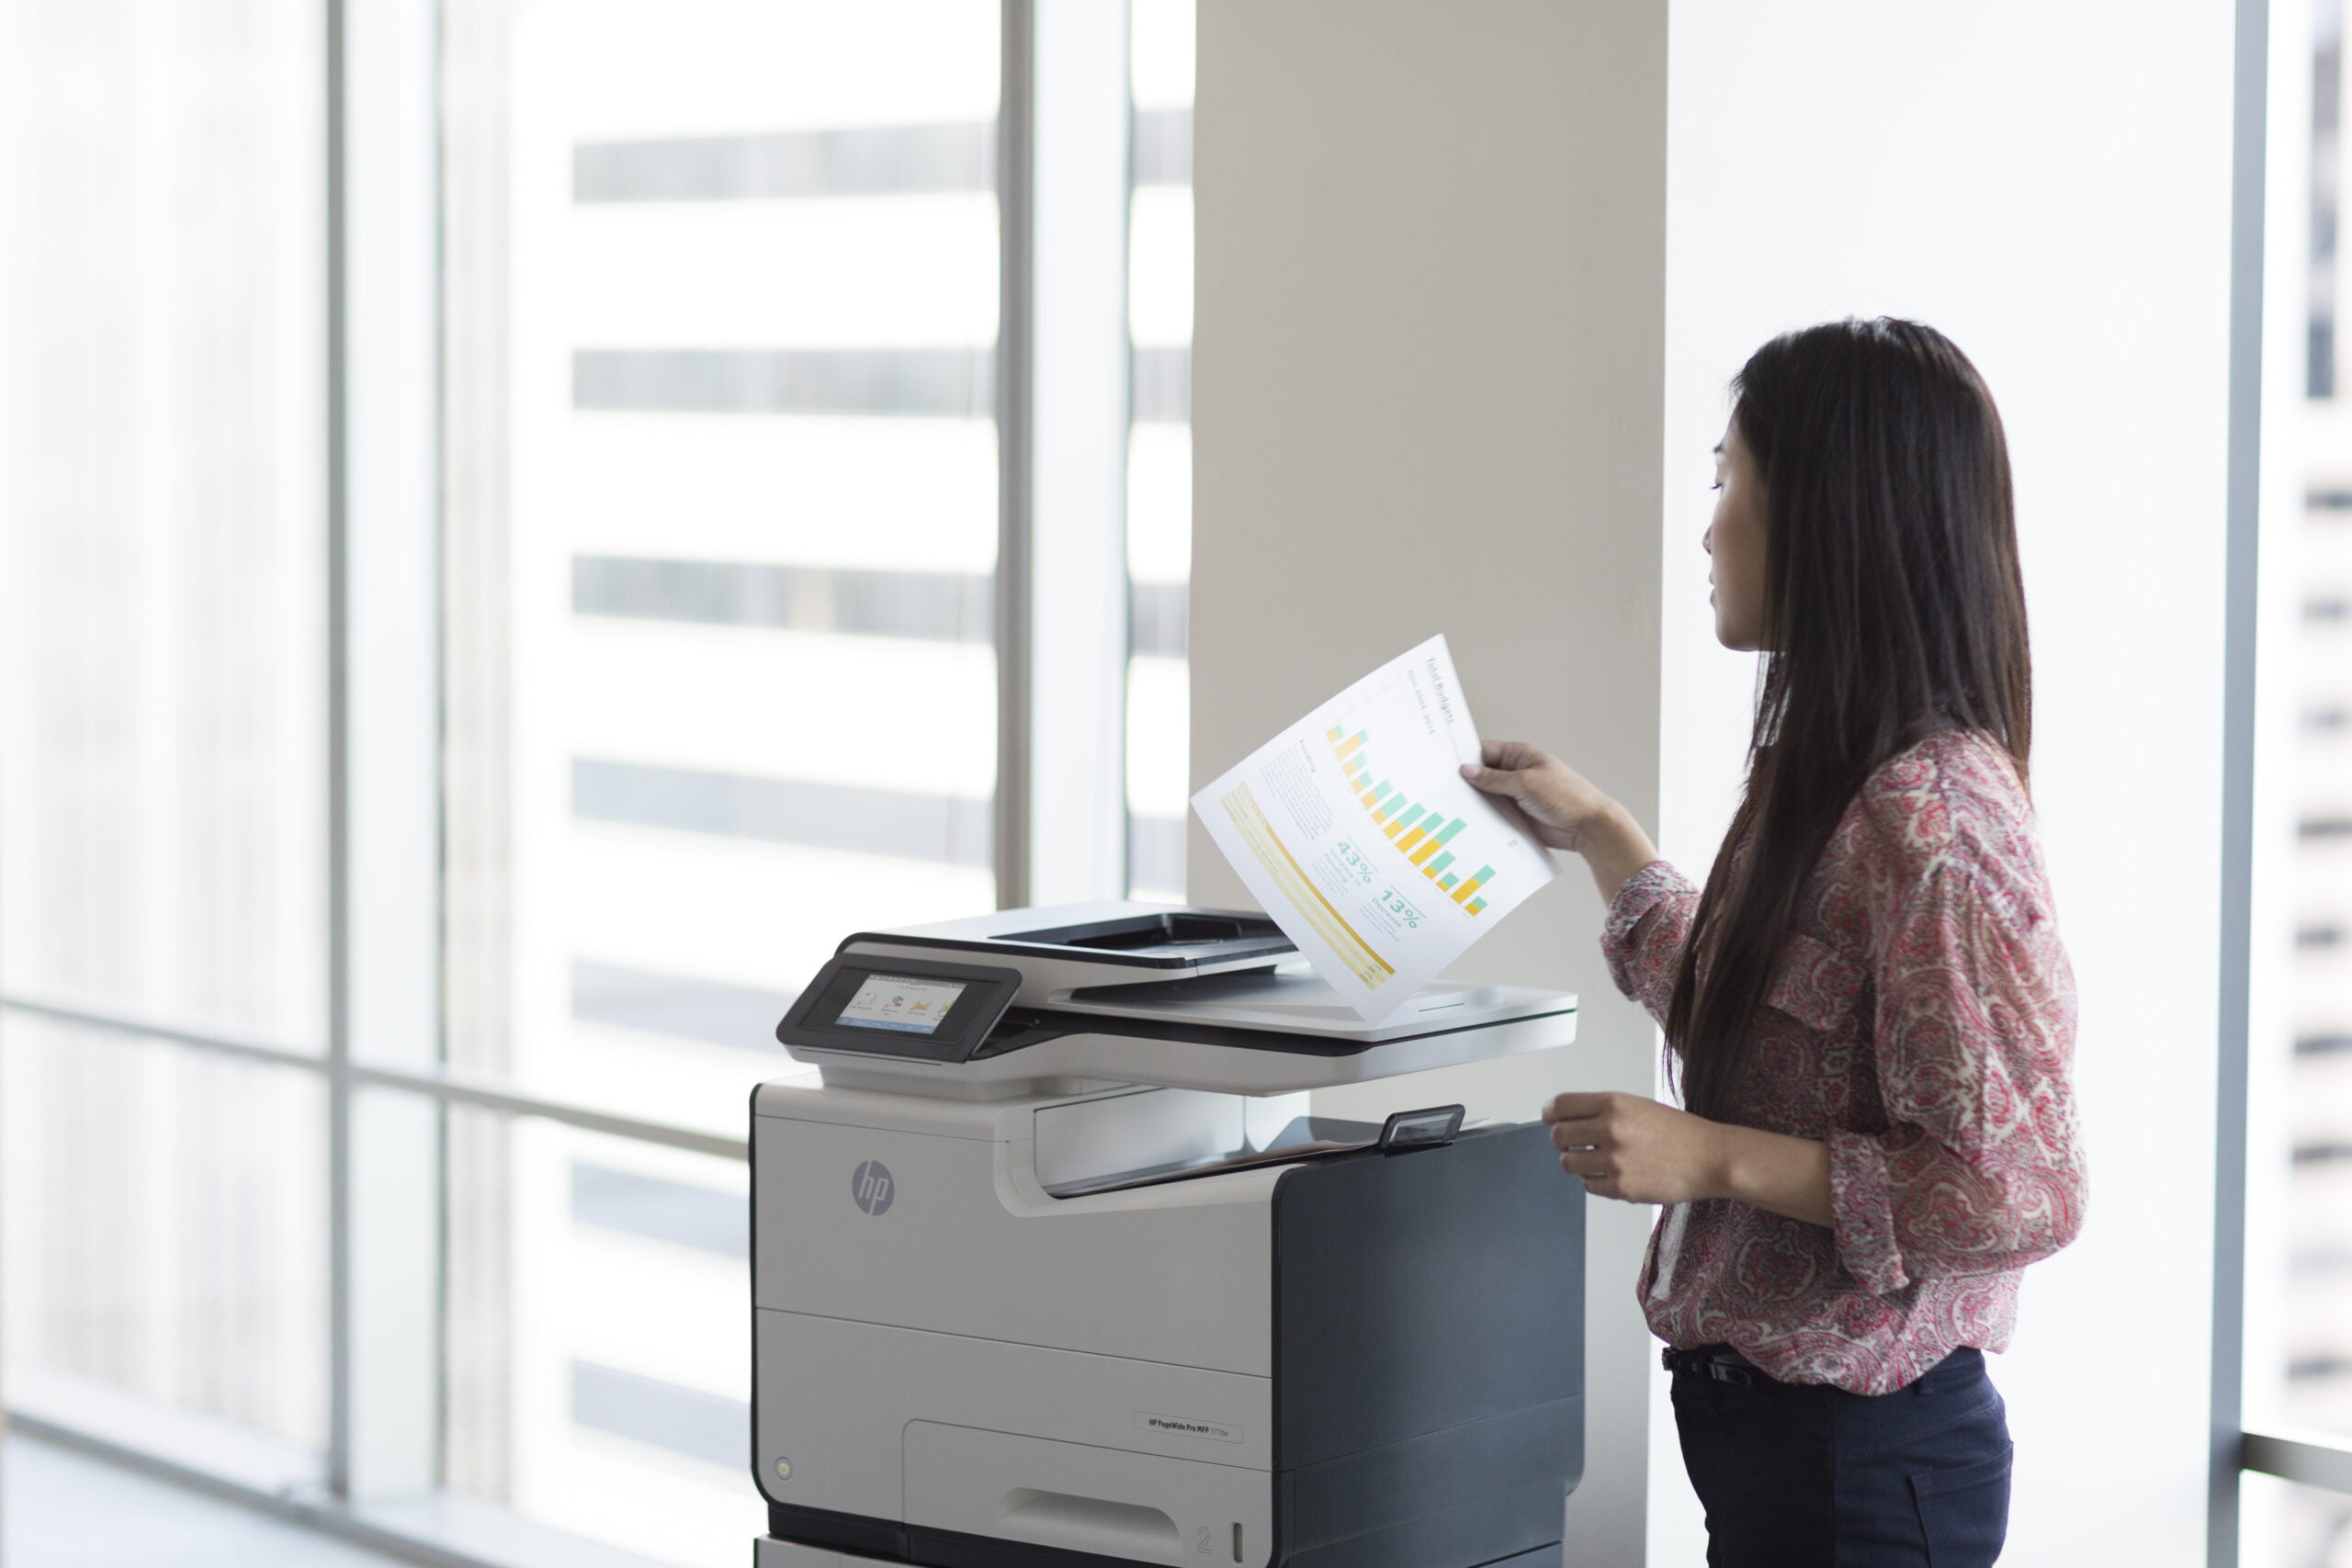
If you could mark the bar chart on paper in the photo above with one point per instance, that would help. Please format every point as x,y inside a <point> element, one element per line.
<point>1356,831</point>
<point>1420,834</point>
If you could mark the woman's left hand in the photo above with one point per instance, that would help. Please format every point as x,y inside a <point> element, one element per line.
<point>1629,1147</point>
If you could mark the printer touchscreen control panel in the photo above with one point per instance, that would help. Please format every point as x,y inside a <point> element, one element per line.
<point>902,1002</point>
<point>915,1008</point>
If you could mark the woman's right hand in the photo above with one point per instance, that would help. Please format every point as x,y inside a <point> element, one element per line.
<point>1565,809</point>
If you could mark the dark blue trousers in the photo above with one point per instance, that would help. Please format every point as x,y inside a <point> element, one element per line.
<point>1800,1475</point>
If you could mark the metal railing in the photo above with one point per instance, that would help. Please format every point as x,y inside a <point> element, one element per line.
<point>442,1085</point>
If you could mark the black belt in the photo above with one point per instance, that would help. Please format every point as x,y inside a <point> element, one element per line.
<point>1720,1362</point>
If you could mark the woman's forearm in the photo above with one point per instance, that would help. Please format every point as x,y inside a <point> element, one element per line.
<point>1614,847</point>
<point>1772,1170</point>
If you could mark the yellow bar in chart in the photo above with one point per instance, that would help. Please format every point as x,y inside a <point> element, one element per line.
<point>1472,885</point>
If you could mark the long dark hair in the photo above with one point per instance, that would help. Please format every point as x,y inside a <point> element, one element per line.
<point>1893,609</point>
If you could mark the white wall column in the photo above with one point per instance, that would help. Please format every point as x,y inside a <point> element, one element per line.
<point>1079,455</point>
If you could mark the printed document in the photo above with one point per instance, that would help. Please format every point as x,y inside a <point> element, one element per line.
<point>1358,834</point>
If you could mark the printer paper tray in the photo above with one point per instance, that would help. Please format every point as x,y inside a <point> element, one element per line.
<point>1216,1164</point>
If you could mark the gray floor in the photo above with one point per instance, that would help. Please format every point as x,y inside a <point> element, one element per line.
<point>61,1510</point>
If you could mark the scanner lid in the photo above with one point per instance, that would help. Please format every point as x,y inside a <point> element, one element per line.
<point>1061,947</point>
<point>1114,934</point>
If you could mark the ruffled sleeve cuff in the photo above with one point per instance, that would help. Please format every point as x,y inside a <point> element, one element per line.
<point>1636,897</point>
<point>1642,938</point>
<point>1862,1197</point>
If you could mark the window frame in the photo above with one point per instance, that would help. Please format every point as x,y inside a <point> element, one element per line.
<point>2307,1457</point>
<point>388,1086</point>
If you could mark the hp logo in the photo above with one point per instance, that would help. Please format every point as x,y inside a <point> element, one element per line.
<point>871,1186</point>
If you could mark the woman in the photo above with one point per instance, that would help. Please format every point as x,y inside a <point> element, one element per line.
<point>1867,1006</point>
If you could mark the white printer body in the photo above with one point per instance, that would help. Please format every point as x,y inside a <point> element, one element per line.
<point>1057,1271</point>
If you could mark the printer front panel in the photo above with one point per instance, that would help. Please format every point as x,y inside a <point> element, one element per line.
<point>950,1383</point>
<point>835,1403</point>
<point>952,1234</point>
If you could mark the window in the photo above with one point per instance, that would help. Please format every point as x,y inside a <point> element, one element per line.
<point>483,617</point>
<point>2317,1341</point>
<point>724,654</point>
<point>162,711</point>
<point>2297,1221</point>
<point>2326,197</point>
<point>745,654</point>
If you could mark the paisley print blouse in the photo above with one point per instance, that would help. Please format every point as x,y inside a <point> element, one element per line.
<point>1921,1022</point>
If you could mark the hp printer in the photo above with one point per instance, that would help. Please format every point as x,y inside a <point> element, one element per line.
<point>1057,1267</point>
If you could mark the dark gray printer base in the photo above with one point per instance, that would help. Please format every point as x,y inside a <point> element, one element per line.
<point>949,1548</point>
<point>1428,1354</point>
<point>1427,1376</point>
<point>1458,1498</point>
